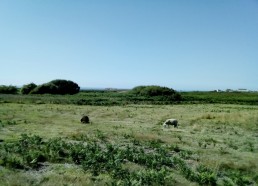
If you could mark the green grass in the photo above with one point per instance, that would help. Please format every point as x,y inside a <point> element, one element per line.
<point>215,144</point>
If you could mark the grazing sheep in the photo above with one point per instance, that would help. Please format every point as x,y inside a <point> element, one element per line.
<point>170,122</point>
<point>85,119</point>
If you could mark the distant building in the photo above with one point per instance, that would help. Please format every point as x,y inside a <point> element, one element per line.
<point>242,90</point>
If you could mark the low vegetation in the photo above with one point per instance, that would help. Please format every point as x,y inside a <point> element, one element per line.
<point>155,165</point>
<point>125,97</point>
<point>246,98</point>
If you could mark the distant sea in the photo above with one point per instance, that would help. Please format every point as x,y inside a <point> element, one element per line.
<point>98,88</point>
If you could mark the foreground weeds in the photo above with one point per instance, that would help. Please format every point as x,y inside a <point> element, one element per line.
<point>156,162</point>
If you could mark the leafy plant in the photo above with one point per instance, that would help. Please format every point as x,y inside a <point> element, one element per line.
<point>98,157</point>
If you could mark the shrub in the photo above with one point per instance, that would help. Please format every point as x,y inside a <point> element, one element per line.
<point>57,87</point>
<point>26,89</point>
<point>47,88</point>
<point>8,89</point>
<point>163,93</point>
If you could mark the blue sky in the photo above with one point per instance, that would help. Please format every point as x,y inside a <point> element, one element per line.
<point>181,44</point>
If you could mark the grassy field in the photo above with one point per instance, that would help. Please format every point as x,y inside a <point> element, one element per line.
<point>45,144</point>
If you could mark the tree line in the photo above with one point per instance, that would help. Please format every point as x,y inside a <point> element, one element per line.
<point>57,86</point>
<point>63,87</point>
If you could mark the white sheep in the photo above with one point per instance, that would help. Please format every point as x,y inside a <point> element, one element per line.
<point>170,122</point>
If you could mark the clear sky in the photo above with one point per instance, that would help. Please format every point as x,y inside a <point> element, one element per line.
<point>181,44</point>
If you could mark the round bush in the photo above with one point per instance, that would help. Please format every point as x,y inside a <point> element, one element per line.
<point>57,87</point>
<point>164,93</point>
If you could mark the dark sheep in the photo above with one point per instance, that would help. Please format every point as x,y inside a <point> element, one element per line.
<point>168,122</point>
<point>85,119</point>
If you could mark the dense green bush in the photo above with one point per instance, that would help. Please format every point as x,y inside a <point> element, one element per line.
<point>57,87</point>
<point>26,89</point>
<point>46,88</point>
<point>8,89</point>
<point>163,93</point>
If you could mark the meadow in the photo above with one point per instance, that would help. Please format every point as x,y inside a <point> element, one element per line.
<point>42,141</point>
